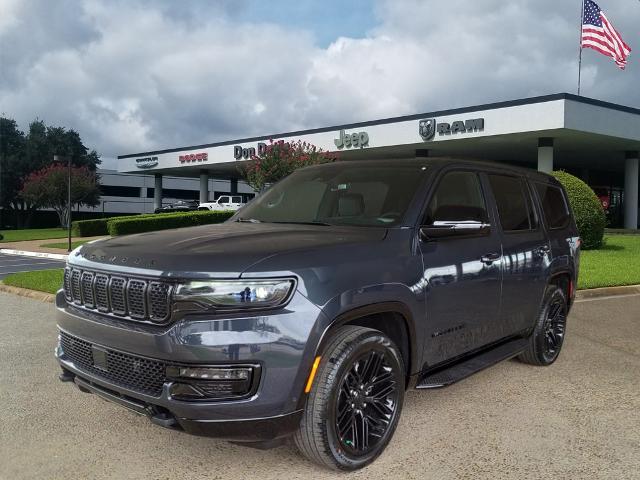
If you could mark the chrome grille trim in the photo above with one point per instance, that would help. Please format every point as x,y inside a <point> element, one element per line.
<point>76,291</point>
<point>86,284</point>
<point>118,295</point>
<point>132,298</point>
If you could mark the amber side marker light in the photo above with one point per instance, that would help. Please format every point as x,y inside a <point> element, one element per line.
<point>312,375</point>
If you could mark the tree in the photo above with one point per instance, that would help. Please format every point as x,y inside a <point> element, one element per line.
<point>48,188</point>
<point>281,158</point>
<point>21,155</point>
<point>12,144</point>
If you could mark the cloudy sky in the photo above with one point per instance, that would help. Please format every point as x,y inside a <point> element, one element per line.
<point>136,75</point>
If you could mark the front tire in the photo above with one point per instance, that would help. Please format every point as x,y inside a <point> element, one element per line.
<point>547,338</point>
<point>355,403</point>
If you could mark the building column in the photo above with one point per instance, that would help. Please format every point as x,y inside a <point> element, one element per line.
<point>204,186</point>
<point>233,186</point>
<point>631,190</point>
<point>157,191</point>
<point>545,154</point>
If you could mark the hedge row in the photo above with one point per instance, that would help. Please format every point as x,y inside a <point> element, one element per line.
<point>164,221</point>
<point>145,222</point>
<point>98,226</point>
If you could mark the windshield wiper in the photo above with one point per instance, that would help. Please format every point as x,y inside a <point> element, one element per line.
<point>248,220</point>
<point>324,224</point>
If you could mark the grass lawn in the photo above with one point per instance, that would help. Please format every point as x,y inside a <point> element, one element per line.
<point>32,234</point>
<point>63,245</point>
<point>43,280</point>
<point>617,263</point>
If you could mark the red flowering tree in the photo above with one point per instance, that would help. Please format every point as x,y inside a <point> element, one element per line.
<point>47,188</point>
<point>281,158</point>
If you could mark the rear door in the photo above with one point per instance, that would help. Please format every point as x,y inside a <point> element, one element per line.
<point>525,250</point>
<point>462,273</point>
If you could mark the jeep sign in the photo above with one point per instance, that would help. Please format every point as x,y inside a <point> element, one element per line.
<point>355,140</point>
<point>428,128</point>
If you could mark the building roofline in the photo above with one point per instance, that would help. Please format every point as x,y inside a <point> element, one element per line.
<point>453,111</point>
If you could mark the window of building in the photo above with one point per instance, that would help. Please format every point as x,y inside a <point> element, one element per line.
<point>119,191</point>
<point>514,203</point>
<point>177,193</point>
<point>554,205</point>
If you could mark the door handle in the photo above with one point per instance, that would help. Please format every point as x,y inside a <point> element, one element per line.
<point>489,258</point>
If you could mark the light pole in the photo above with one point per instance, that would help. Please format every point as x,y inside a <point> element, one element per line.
<point>56,158</point>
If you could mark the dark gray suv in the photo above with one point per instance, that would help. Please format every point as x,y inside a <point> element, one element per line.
<point>310,312</point>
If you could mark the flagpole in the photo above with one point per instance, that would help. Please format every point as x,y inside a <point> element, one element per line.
<point>580,47</point>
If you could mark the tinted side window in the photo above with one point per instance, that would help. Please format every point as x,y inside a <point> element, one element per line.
<point>458,198</point>
<point>554,205</point>
<point>513,202</point>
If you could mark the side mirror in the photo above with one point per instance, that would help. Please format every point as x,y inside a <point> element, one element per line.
<point>453,229</point>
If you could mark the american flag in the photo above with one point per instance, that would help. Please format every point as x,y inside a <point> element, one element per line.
<point>599,34</point>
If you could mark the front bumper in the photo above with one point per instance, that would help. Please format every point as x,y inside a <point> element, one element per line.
<point>281,343</point>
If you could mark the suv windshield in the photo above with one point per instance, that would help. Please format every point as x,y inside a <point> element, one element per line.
<point>339,194</point>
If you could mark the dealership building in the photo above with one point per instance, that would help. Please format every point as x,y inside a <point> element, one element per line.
<point>594,140</point>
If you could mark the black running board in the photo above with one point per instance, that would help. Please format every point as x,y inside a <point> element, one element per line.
<point>445,376</point>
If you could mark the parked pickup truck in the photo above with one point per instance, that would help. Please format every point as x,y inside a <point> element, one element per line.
<point>225,202</point>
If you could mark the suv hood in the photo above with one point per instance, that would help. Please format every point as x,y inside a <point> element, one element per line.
<point>222,250</point>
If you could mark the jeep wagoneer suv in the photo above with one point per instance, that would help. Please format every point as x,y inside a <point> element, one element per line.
<point>310,312</point>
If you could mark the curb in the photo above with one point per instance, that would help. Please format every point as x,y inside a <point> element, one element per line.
<point>26,253</point>
<point>25,292</point>
<point>607,292</point>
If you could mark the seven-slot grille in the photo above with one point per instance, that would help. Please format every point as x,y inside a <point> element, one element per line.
<point>135,298</point>
<point>130,371</point>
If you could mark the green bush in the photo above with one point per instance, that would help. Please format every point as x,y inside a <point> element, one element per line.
<point>99,226</point>
<point>90,228</point>
<point>164,221</point>
<point>587,209</point>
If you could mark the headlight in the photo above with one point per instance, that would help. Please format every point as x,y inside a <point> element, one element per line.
<point>236,294</point>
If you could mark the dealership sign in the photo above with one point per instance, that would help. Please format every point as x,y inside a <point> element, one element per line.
<point>349,140</point>
<point>146,162</point>
<point>194,157</point>
<point>240,153</point>
<point>429,127</point>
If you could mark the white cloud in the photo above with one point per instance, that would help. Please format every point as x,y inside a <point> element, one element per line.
<point>132,76</point>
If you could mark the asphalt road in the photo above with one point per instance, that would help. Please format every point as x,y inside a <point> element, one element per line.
<point>579,419</point>
<point>18,263</point>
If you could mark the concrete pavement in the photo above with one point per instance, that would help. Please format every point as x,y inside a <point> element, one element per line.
<point>578,419</point>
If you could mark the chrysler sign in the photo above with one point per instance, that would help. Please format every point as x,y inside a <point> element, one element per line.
<point>146,162</point>
<point>429,127</point>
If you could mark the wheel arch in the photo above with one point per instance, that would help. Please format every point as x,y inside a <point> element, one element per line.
<point>394,319</point>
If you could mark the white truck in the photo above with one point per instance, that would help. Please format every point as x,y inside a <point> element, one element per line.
<point>224,202</point>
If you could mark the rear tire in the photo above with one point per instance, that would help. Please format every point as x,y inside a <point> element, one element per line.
<point>355,403</point>
<point>547,338</point>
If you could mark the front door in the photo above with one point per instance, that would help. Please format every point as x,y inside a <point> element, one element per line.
<point>462,272</point>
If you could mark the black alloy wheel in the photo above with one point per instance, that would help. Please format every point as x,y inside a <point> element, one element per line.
<point>356,400</point>
<point>366,404</point>
<point>554,327</point>
<point>549,332</point>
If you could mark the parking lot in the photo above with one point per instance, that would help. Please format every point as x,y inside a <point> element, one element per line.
<point>19,263</point>
<point>579,419</point>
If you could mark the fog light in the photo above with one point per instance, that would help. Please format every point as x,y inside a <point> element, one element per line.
<point>211,383</point>
<point>205,373</point>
